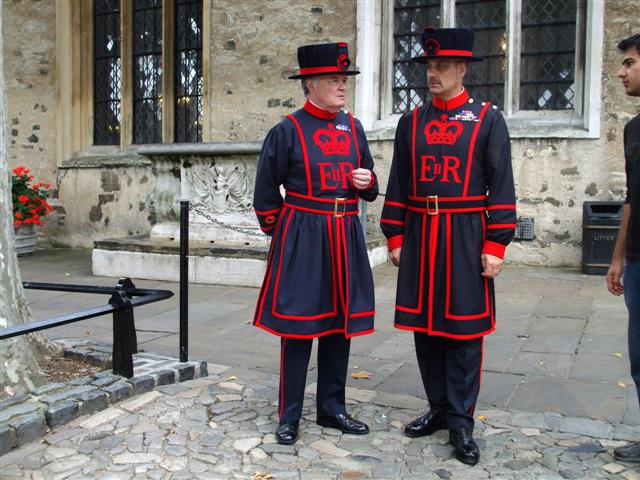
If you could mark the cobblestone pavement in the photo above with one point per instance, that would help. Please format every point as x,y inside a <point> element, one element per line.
<point>221,427</point>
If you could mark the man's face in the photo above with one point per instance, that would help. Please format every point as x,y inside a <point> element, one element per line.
<point>444,77</point>
<point>630,72</point>
<point>328,91</point>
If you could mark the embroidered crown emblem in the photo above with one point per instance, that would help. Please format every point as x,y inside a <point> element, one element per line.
<point>332,141</point>
<point>443,131</point>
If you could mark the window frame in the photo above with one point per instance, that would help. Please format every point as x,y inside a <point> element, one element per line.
<point>74,78</point>
<point>375,27</point>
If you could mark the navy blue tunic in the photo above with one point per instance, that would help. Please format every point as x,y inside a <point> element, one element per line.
<point>450,198</point>
<point>318,279</point>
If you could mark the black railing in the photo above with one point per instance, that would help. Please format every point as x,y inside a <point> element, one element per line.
<point>124,297</point>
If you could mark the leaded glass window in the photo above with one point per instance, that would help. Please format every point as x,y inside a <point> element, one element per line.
<point>147,71</point>
<point>107,72</point>
<point>548,55</point>
<point>488,20</point>
<point>409,81</point>
<point>188,76</point>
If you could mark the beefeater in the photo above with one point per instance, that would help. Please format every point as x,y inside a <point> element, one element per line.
<point>318,282</point>
<point>448,216</point>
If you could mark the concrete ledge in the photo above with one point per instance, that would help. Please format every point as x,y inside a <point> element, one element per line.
<point>25,418</point>
<point>158,259</point>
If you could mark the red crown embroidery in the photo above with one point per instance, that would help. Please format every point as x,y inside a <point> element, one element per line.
<point>443,131</point>
<point>332,141</point>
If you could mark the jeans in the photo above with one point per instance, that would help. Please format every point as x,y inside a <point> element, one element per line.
<point>631,284</point>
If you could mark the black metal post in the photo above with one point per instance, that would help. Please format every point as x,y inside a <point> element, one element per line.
<point>184,280</point>
<point>122,357</point>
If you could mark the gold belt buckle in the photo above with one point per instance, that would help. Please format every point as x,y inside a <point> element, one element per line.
<point>433,198</point>
<point>336,202</point>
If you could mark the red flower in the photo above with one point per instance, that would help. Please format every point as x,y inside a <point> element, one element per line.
<point>23,199</point>
<point>18,215</point>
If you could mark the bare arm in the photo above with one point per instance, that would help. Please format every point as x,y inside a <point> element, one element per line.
<point>614,275</point>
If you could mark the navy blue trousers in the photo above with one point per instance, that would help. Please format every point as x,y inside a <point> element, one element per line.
<point>451,372</point>
<point>333,361</point>
<point>631,284</point>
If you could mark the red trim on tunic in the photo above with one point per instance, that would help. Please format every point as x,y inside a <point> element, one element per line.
<point>267,229</point>
<point>320,199</point>
<point>268,212</point>
<point>449,199</point>
<point>501,207</point>
<point>418,309</point>
<point>447,210</point>
<point>494,248</point>
<point>363,314</point>
<point>266,280</point>
<point>334,269</point>
<point>313,210</point>
<point>305,154</point>
<point>355,139</point>
<point>315,335</point>
<point>277,285</point>
<point>392,222</point>
<point>501,225</point>
<point>413,147</point>
<point>395,204</point>
<point>346,274</point>
<point>472,145</point>
<point>433,245</point>
<point>316,111</point>
<point>444,334</point>
<point>447,312</point>
<point>452,103</point>
<point>395,242</point>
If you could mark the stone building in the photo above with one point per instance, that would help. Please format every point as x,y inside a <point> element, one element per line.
<point>125,105</point>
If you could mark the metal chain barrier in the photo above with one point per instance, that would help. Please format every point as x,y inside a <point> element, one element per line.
<point>244,231</point>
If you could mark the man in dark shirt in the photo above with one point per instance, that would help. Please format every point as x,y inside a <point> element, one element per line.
<point>628,243</point>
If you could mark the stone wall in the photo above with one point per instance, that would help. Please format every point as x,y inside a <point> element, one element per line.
<point>28,28</point>
<point>253,52</point>
<point>555,176</point>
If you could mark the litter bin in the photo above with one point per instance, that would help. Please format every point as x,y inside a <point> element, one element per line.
<point>600,225</point>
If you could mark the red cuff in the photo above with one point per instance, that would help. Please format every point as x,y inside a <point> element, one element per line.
<point>395,242</point>
<point>494,248</point>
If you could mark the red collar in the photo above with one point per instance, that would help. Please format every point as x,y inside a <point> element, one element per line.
<point>455,102</point>
<point>318,112</point>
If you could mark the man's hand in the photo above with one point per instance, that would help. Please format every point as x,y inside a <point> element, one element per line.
<point>491,265</point>
<point>361,178</point>
<point>394,256</point>
<point>614,277</point>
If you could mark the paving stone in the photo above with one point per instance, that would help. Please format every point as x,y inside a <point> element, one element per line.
<point>165,377</point>
<point>142,383</point>
<point>8,439</point>
<point>327,448</point>
<point>29,427</point>
<point>67,394</point>
<point>94,401</point>
<point>139,401</point>
<point>185,371</point>
<point>16,410</point>
<point>118,391</point>
<point>62,412</point>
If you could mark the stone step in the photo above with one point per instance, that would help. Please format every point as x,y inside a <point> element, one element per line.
<point>140,256</point>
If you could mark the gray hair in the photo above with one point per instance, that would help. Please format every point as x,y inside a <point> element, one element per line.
<point>303,82</point>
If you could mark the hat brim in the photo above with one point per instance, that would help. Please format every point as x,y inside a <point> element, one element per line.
<point>425,59</point>
<point>300,76</point>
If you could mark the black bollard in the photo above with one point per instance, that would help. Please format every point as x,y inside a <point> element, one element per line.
<point>184,281</point>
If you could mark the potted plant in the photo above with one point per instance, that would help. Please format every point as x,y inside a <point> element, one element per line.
<point>29,206</point>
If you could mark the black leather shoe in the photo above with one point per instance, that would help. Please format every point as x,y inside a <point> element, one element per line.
<point>427,424</point>
<point>465,449</point>
<point>344,422</point>
<point>629,453</point>
<point>287,433</point>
